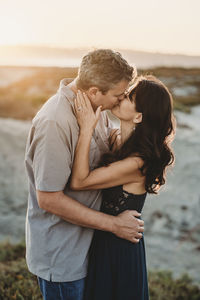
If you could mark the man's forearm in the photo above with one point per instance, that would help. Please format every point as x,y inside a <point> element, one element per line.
<point>126,225</point>
<point>74,212</point>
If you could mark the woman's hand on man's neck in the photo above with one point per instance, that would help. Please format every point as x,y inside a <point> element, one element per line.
<point>73,86</point>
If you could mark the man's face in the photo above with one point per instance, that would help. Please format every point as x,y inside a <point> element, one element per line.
<point>112,97</point>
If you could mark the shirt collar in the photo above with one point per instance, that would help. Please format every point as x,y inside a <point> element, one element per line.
<point>65,89</point>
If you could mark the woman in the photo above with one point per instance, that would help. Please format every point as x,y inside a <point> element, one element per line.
<point>117,267</point>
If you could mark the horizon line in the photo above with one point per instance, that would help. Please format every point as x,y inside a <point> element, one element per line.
<point>59,47</point>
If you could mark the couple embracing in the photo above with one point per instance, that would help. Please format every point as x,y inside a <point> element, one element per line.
<point>88,180</point>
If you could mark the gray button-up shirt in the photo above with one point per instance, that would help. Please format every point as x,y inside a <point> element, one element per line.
<point>58,250</point>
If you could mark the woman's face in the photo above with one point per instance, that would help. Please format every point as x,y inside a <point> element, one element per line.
<point>126,109</point>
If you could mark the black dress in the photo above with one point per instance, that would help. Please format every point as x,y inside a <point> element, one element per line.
<point>117,267</point>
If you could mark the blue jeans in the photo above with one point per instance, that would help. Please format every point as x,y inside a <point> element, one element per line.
<point>72,290</point>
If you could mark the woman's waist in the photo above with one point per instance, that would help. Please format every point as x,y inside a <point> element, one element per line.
<point>116,210</point>
<point>102,238</point>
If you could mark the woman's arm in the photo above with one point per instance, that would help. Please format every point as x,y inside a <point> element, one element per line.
<point>117,173</point>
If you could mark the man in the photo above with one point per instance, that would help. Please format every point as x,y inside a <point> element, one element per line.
<point>60,221</point>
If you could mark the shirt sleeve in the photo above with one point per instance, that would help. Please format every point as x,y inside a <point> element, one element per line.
<point>52,159</point>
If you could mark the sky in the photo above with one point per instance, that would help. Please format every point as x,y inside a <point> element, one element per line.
<point>171,26</point>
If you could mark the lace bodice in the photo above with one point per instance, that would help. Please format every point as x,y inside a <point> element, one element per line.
<point>116,200</point>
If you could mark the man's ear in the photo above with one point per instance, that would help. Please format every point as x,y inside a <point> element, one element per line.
<point>92,92</point>
<point>138,118</point>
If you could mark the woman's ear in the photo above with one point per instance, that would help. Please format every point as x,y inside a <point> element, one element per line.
<point>138,118</point>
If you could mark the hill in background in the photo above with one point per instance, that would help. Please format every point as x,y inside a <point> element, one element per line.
<point>66,57</point>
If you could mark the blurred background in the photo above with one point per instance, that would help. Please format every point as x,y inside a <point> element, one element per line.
<point>42,42</point>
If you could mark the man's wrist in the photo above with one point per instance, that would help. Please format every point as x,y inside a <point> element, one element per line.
<point>110,223</point>
<point>114,225</point>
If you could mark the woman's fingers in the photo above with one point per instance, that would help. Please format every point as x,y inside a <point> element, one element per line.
<point>84,102</point>
<point>77,104</point>
<point>84,112</point>
<point>87,102</point>
<point>81,99</point>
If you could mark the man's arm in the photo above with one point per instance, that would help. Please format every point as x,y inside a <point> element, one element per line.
<point>125,225</point>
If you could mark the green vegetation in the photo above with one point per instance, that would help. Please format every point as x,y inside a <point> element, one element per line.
<point>17,283</point>
<point>22,99</point>
<point>162,286</point>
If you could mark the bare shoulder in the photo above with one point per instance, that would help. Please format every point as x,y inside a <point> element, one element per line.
<point>136,161</point>
<point>130,164</point>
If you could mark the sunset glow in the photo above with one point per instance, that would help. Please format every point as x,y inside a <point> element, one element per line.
<point>152,25</point>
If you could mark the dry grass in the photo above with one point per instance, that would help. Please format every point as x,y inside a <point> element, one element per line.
<point>22,99</point>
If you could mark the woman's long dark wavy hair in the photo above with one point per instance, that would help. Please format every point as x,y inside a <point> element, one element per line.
<point>152,137</point>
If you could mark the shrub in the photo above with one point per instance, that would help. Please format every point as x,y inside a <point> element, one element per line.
<point>17,283</point>
<point>162,286</point>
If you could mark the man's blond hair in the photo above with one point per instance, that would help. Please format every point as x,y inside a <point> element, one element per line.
<point>103,68</point>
